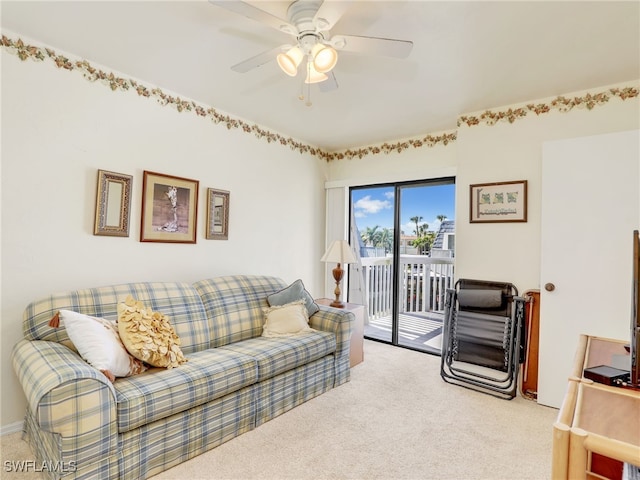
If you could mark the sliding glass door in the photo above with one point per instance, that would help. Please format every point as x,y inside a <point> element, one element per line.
<point>406,235</point>
<point>373,212</point>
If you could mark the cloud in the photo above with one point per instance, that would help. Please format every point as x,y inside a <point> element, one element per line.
<point>409,228</point>
<point>368,206</point>
<point>435,225</point>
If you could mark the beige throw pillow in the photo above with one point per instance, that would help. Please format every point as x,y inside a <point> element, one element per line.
<point>286,320</point>
<point>148,335</point>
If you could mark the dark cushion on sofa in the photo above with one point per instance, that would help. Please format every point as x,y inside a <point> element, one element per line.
<point>292,293</point>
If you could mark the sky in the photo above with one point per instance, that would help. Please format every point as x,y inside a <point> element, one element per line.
<point>374,206</point>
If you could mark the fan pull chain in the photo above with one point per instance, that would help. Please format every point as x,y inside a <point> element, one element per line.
<point>301,95</point>
<point>308,102</point>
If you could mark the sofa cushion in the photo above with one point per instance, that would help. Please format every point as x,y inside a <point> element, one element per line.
<point>179,301</point>
<point>292,293</point>
<point>286,320</point>
<point>159,393</point>
<point>277,355</point>
<point>234,305</point>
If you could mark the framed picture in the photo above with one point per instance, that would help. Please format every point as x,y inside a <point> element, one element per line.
<point>217,214</point>
<point>169,209</point>
<point>113,204</point>
<point>498,202</point>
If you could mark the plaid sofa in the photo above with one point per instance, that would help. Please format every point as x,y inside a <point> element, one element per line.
<point>80,425</point>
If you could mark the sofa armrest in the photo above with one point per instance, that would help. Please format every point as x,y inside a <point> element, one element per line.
<point>68,397</point>
<point>337,321</point>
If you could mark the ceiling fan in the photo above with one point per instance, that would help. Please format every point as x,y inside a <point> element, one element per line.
<point>310,22</point>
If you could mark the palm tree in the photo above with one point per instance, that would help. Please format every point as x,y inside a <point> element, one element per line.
<point>369,236</point>
<point>385,239</point>
<point>416,220</point>
<point>424,242</point>
<point>441,218</point>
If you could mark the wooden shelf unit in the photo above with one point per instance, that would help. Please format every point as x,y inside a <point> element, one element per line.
<point>598,426</point>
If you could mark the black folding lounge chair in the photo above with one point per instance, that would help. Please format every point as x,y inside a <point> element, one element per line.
<point>483,337</point>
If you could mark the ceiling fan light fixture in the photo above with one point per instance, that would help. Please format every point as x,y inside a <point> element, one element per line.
<point>313,76</point>
<point>324,57</point>
<point>289,61</point>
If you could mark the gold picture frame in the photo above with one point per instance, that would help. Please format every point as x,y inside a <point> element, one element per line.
<point>113,204</point>
<point>217,214</point>
<point>169,208</point>
<point>498,202</point>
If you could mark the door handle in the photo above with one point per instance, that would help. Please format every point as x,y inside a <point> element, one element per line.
<point>549,287</point>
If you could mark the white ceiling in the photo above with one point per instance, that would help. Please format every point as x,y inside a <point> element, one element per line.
<point>467,57</point>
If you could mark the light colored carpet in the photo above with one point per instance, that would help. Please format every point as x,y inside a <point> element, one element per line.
<point>396,419</point>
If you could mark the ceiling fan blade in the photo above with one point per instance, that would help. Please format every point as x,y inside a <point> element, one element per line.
<point>255,13</point>
<point>329,84</point>
<point>257,61</point>
<point>387,47</point>
<point>331,12</point>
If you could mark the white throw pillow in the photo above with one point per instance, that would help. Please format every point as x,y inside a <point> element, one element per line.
<point>98,342</point>
<point>286,320</point>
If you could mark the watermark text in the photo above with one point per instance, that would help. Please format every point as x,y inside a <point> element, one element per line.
<point>36,466</point>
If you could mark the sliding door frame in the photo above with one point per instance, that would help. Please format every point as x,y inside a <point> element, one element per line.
<point>397,187</point>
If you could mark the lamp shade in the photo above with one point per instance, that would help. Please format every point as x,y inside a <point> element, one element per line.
<point>339,252</point>
<point>289,61</point>
<point>314,76</point>
<point>324,58</point>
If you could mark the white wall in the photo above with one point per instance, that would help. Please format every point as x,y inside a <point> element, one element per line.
<point>511,251</point>
<point>58,129</point>
<point>481,154</point>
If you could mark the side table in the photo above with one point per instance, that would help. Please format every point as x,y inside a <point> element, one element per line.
<point>356,354</point>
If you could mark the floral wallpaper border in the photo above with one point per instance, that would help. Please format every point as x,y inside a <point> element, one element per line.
<point>426,141</point>
<point>561,104</point>
<point>489,117</point>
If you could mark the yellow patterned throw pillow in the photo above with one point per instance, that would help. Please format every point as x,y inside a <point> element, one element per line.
<point>148,335</point>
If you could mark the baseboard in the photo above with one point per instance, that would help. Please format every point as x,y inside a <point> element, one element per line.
<point>11,428</point>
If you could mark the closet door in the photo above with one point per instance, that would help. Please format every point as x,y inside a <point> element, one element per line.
<point>590,207</point>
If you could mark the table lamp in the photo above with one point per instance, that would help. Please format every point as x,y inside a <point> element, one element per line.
<point>340,252</point>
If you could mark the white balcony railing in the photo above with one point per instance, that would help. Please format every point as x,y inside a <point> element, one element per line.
<point>423,283</point>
